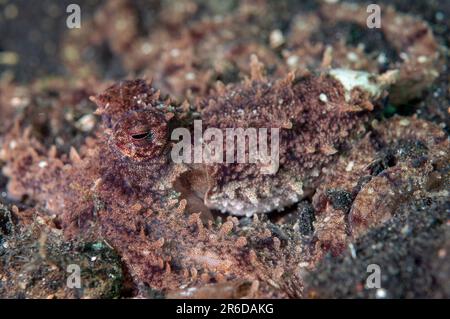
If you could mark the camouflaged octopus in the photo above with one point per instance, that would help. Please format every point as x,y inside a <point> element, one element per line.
<point>124,181</point>
<point>318,117</point>
<point>124,186</point>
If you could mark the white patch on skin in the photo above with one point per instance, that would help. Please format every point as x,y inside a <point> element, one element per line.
<point>356,79</point>
<point>323,97</point>
<point>422,59</point>
<point>43,164</point>
<point>229,201</point>
<point>190,76</point>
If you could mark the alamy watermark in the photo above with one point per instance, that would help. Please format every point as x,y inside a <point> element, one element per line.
<point>73,20</point>
<point>74,279</point>
<point>374,279</point>
<point>374,19</point>
<point>230,145</point>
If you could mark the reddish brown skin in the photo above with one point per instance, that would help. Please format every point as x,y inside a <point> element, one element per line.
<point>141,135</point>
<point>106,188</point>
<point>108,194</point>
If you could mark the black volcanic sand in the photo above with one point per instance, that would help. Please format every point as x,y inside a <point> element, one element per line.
<point>412,250</point>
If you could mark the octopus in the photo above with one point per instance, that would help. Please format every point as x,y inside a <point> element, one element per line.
<point>341,171</point>
<point>122,185</point>
<point>318,118</point>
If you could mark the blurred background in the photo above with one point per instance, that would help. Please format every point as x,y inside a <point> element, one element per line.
<point>32,32</point>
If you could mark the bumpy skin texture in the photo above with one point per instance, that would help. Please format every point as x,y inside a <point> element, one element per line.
<point>132,158</point>
<point>137,133</point>
<point>313,132</point>
<point>116,182</point>
<point>102,191</point>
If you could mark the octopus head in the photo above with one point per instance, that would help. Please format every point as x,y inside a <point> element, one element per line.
<point>135,119</point>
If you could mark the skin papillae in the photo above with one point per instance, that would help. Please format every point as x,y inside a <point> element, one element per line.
<point>120,185</point>
<point>318,117</point>
<point>134,146</point>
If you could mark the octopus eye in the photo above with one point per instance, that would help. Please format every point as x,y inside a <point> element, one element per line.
<point>141,135</point>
